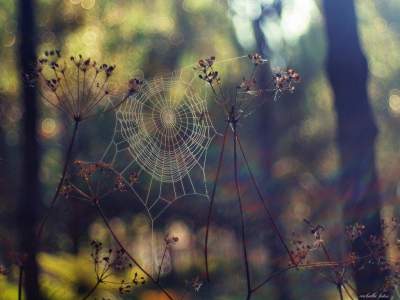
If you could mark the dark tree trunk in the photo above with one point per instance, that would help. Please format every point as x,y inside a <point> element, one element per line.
<point>348,73</point>
<point>29,198</point>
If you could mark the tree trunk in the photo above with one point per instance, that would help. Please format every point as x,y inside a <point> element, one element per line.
<point>356,133</point>
<point>30,190</point>
<point>266,123</point>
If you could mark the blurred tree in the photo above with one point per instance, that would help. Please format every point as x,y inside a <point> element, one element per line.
<point>30,190</point>
<point>267,123</point>
<point>348,73</point>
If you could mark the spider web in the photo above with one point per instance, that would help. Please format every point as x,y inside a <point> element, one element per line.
<point>161,138</point>
<point>160,142</point>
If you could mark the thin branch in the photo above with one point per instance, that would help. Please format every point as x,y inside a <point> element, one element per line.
<point>264,204</point>
<point>20,278</point>
<point>315,265</point>
<point>162,262</point>
<point>242,223</point>
<point>92,290</point>
<point>270,277</point>
<point>105,221</point>
<point>112,108</point>
<point>61,182</point>
<point>221,157</point>
<point>339,288</point>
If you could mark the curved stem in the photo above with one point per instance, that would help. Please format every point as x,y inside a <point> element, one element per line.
<point>263,202</point>
<point>315,265</point>
<point>348,292</point>
<point>242,223</point>
<point>339,288</point>
<point>162,262</point>
<point>92,290</point>
<point>20,278</point>
<point>105,221</point>
<point>220,160</point>
<point>270,277</point>
<point>61,182</point>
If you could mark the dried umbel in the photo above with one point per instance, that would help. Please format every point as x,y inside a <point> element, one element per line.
<point>248,89</point>
<point>354,231</point>
<point>257,59</point>
<point>93,181</point>
<point>111,262</point>
<point>126,286</point>
<point>285,81</point>
<point>207,73</point>
<point>77,86</point>
<point>108,259</point>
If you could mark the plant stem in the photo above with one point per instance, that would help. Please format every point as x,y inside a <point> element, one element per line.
<point>212,198</point>
<point>20,278</point>
<point>263,202</point>
<point>315,265</point>
<point>348,292</point>
<point>105,221</point>
<point>242,223</point>
<point>61,182</point>
<point>162,261</point>
<point>339,287</point>
<point>92,290</point>
<point>273,275</point>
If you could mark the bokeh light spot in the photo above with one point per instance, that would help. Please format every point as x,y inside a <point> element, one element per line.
<point>48,127</point>
<point>88,4</point>
<point>394,102</point>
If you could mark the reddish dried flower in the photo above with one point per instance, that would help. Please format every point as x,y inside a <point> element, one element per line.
<point>170,240</point>
<point>95,181</point>
<point>353,232</point>
<point>134,85</point>
<point>249,86</point>
<point>284,81</point>
<point>120,184</point>
<point>134,178</point>
<point>257,59</point>
<point>196,284</point>
<point>206,71</point>
<point>351,259</point>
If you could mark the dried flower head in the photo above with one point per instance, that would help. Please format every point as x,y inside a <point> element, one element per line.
<point>134,85</point>
<point>257,59</point>
<point>108,262</point>
<point>284,81</point>
<point>94,182</point>
<point>127,286</point>
<point>354,231</point>
<point>170,240</point>
<point>77,86</point>
<point>207,73</point>
<point>134,178</point>
<point>197,284</point>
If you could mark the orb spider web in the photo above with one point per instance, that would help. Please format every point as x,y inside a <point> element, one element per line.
<point>160,142</point>
<point>161,138</point>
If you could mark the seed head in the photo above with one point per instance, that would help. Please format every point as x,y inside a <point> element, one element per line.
<point>78,86</point>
